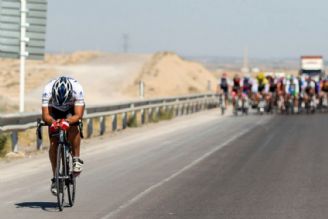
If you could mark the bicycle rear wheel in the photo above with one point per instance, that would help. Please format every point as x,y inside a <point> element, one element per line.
<point>71,182</point>
<point>60,172</point>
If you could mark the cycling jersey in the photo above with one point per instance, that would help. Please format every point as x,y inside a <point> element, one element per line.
<point>263,85</point>
<point>237,84</point>
<point>247,86</point>
<point>324,87</point>
<point>77,98</point>
<point>310,86</point>
<point>292,87</point>
<point>224,85</point>
<point>272,86</point>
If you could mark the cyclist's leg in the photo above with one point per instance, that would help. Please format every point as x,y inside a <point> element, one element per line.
<point>56,114</point>
<point>53,153</point>
<point>226,97</point>
<point>75,139</point>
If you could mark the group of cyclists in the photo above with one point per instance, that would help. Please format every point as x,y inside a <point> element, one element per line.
<point>274,93</point>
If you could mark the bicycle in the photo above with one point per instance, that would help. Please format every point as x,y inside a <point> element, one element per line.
<point>222,104</point>
<point>65,178</point>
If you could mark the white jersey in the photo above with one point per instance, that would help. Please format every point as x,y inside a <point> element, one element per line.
<point>291,86</point>
<point>77,98</point>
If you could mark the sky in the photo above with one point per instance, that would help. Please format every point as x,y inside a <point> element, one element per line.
<point>268,28</point>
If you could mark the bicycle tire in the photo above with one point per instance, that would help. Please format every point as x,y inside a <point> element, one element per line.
<point>71,182</point>
<point>60,171</point>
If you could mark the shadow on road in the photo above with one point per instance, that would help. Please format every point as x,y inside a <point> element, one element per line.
<point>46,206</point>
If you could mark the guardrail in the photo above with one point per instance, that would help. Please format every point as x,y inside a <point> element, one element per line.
<point>145,110</point>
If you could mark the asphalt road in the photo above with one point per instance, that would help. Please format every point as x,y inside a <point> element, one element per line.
<point>201,166</point>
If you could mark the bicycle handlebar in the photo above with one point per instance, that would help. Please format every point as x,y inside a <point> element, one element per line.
<point>41,123</point>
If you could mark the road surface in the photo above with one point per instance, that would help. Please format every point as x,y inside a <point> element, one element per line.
<point>199,166</point>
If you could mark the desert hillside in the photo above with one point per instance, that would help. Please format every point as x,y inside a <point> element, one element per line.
<point>167,74</point>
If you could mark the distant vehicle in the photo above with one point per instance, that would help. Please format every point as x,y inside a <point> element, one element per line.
<point>312,66</point>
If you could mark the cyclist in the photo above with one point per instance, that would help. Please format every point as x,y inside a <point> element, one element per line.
<point>63,106</point>
<point>310,91</point>
<point>247,91</point>
<point>302,87</point>
<point>236,90</point>
<point>247,85</point>
<point>271,95</point>
<point>263,86</point>
<point>223,87</point>
<point>281,93</point>
<point>324,91</point>
<point>292,91</point>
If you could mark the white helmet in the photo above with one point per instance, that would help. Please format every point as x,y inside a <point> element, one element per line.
<point>62,90</point>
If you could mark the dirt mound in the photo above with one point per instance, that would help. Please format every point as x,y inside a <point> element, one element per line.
<point>167,74</point>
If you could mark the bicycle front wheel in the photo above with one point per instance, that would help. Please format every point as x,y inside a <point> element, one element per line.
<point>71,182</point>
<point>60,182</point>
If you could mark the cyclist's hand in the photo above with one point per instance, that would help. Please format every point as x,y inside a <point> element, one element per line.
<point>54,126</point>
<point>64,125</point>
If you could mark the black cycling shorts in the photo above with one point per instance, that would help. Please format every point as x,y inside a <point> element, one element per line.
<point>57,114</point>
<point>224,88</point>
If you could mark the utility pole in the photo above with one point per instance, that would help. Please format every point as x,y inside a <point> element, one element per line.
<point>245,68</point>
<point>126,39</point>
<point>23,54</point>
<point>246,57</point>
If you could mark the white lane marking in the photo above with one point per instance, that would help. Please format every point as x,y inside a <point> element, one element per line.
<point>192,164</point>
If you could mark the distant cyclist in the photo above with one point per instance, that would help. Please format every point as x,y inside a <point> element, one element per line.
<point>247,85</point>
<point>263,86</point>
<point>62,106</point>
<point>224,86</point>
<point>310,90</point>
<point>292,90</point>
<point>324,91</point>
<point>237,87</point>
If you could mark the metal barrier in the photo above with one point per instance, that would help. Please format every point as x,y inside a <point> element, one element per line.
<point>116,113</point>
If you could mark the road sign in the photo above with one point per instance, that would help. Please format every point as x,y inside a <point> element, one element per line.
<point>22,33</point>
<point>10,28</point>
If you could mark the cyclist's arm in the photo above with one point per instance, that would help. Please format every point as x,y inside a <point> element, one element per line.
<point>46,117</point>
<point>79,104</point>
<point>78,114</point>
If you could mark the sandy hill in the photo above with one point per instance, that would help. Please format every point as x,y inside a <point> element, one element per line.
<point>167,74</point>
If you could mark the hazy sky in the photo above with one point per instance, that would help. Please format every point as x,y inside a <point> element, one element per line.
<point>269,28</point>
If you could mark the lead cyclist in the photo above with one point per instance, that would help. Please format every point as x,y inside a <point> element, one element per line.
<point>62,107</point>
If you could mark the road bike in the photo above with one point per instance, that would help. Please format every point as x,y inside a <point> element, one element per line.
<point>65,178</point>
<point>222,103</point>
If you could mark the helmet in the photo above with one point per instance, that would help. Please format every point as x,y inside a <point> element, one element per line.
<point>248,76</point>
<point>236,78</point>
<point>62,90</point>
<point>260,76</point>
<point>269,77</point>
